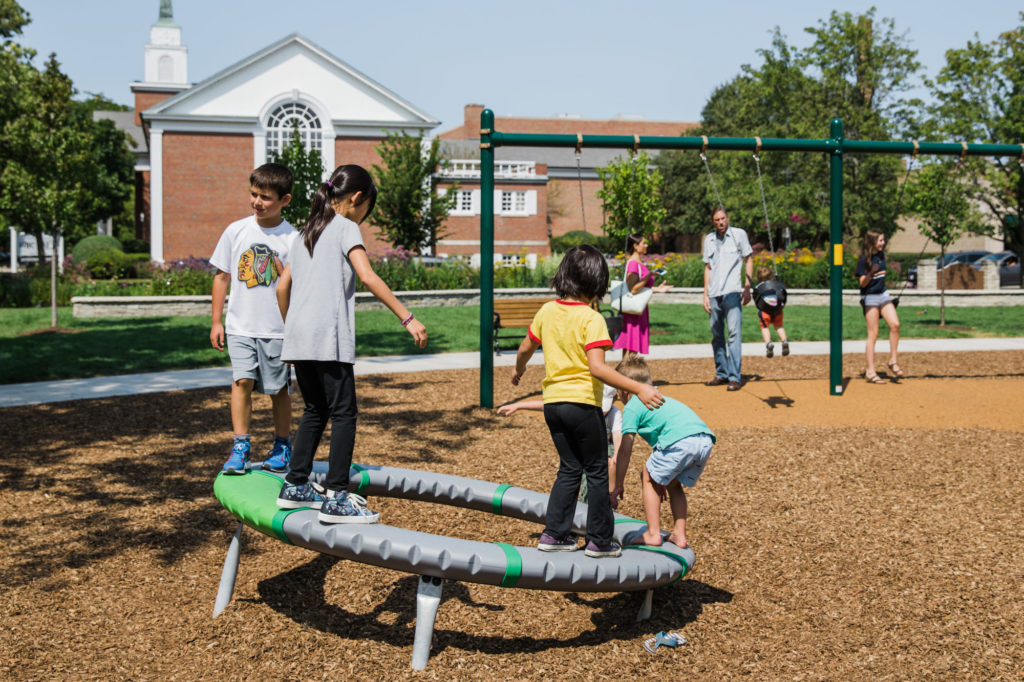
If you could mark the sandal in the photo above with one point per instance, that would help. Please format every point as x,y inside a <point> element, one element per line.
<point>669,639</point>
<point>895,369</point>
<point>875,379</point>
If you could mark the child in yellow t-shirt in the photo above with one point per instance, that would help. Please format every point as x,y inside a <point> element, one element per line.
<point>575,338</point>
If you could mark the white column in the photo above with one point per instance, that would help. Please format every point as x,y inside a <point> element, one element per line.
<point>327,153</point>
<point>156,195</point>
<point>14,250</point>
<point>259,149</point>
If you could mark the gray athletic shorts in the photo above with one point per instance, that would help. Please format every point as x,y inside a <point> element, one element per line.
<point>682,461</point>
<point>260,360</point>
<point>877,300</point>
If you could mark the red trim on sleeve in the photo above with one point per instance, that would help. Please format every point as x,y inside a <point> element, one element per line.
<point>533,337</point>
<point>598,344</point>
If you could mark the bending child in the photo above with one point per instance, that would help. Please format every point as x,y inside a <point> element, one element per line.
<point>249,257</point>
<point>770,299</point>
<point>317,300</point>
<point>575,339</point>
<point>682,444</point>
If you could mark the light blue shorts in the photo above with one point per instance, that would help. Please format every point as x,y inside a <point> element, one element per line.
<point>260,360</point>
<point>682,461</point>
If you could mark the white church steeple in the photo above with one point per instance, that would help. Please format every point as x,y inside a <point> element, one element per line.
<point>166,57</point>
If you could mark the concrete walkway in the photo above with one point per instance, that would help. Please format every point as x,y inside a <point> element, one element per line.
<point>41,392</point>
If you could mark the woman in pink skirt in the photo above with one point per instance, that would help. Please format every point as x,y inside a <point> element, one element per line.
<point>636,329</point>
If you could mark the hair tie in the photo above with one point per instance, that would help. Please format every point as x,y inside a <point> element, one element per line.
<point>329,185</point>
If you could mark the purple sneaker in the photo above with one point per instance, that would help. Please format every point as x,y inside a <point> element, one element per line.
<point>593,549</point>
<point>549,543</point>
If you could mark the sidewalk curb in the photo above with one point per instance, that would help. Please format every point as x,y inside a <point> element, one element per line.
<point>45,392</point>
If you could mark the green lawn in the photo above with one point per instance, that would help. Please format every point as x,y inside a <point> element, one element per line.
<point>126,345</point>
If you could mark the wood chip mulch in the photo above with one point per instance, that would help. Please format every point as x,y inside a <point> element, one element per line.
<point>873,535</point>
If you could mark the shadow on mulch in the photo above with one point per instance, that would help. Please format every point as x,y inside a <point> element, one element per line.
<point>299,594</point>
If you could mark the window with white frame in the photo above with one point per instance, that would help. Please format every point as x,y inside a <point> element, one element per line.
<point>287,118</point>
<point>467,201</point>
<point>514,202</point>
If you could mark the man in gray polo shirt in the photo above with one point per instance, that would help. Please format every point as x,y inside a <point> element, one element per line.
<point>726,251</point>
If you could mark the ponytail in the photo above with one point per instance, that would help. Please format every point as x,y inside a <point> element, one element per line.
<point>345,180</point>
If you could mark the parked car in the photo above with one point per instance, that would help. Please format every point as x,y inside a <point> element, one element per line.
<point>1008,264</point>
<point>969,257</point>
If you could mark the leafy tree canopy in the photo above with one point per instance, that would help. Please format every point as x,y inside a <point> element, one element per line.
<point>307,167</point>
<point>979,97</point>
<point>409,211</point>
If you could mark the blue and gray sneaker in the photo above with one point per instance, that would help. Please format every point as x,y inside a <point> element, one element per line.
<point>344,507</point>
<point>238,462</point>
<point>306,496</point>
<point>279,457</point>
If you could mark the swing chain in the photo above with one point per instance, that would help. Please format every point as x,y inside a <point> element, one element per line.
<point>764,206</point>
<point>704,158</point>
<point>579,177</point>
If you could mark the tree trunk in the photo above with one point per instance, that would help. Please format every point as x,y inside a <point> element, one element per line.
<point>53,282</point>
<point>942,286</point>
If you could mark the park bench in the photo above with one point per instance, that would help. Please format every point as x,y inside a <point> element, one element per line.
<point>513,313</point>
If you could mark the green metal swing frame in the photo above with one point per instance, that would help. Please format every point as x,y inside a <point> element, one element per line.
<point>835,146</point>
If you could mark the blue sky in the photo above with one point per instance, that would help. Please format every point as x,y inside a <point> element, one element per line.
<point>660,59</point>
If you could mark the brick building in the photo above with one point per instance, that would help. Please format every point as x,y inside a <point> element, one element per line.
<point>537,189</point>
<point>201,141</point>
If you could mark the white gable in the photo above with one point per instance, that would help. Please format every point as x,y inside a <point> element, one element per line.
<point>292,69</point>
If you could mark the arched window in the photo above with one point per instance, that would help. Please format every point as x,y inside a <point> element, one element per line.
<point>165,69</point>
<point>282,121</point>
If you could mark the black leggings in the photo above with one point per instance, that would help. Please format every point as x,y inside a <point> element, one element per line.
<point>581,441</point>
<point>329,391</point>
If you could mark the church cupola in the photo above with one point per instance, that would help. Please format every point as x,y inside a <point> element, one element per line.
<point>166,57</point>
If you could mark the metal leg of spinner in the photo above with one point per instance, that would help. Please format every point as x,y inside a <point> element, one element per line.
<point>228,574</point>
<point>428,598</point>
<point>645,609</point>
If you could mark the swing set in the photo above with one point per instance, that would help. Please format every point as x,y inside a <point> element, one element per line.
<point>835,146</point>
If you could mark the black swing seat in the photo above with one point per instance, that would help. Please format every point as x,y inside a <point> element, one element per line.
<point>768,291</point>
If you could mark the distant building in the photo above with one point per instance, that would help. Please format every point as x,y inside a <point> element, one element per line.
<point>202,140</point>
<point>537,189</point>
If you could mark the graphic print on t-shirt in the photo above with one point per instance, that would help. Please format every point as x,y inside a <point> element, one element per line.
<point>258,266</point>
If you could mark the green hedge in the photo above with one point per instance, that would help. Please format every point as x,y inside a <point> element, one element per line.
<point>31,288</point>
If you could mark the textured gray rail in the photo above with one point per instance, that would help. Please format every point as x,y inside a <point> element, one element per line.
<point>481,562</point>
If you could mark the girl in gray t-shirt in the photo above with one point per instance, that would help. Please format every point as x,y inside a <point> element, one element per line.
<point>316,293</point>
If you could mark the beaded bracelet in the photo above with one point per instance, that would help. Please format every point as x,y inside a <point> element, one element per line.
<point>406,321</point>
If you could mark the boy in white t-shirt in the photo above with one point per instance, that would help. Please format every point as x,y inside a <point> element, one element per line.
<point>250,256</point>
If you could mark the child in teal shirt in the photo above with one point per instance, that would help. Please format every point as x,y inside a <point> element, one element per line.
<point>682,444</point>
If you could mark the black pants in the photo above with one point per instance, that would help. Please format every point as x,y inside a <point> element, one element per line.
<point>579,434</point>
<point>329,391</point>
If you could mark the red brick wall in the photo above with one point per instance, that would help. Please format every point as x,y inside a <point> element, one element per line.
<point>506,228</point>
<point>206,187</point>
<point>144,100</point>
<point>564,206</point>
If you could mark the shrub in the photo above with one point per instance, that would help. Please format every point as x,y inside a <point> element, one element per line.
<point>188,277</point>
<point>87,249</point>
<point>135,246</point>
<point>564,242</point>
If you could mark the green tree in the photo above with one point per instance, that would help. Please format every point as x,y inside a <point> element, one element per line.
<point>979,97</point>
<point>409,211</point>
<point>62,171</point>
<point>940,197</point>
<point>307,167</point>
<point>631,196</point>
<point>858,69</point>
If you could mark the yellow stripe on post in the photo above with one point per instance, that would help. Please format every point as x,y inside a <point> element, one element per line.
<point>837,254</point>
